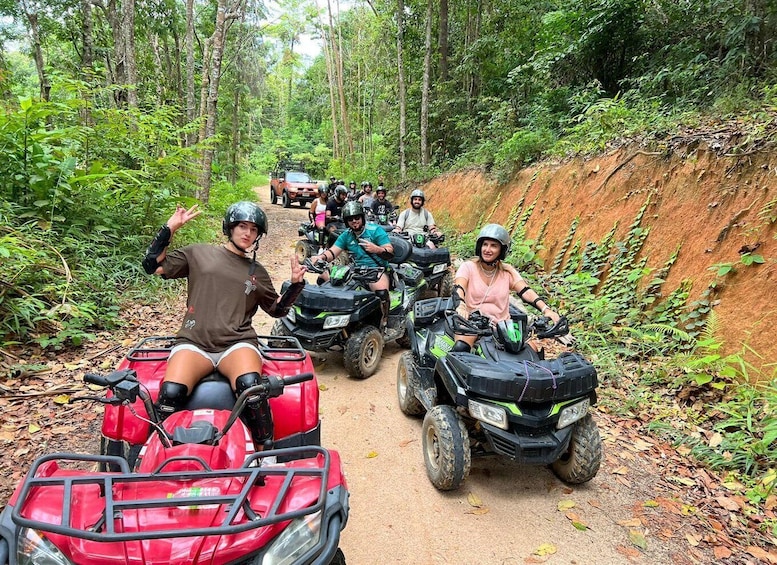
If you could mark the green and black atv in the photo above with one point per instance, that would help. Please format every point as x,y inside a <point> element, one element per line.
<point>503,398</point>
<point>342,314</point>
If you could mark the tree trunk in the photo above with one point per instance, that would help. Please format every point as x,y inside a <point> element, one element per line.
<point>37,51</point>
<point>338,52</point>
<point>443,40</point>
<point>224,16</point>
<point>159,73</point>
<point>332,104</point>
<point>128,40</point>
<point>402,91</point>
<point>425,153</point>
<point>87,36</point>
<point>334,81</point>
<point>189,42</point>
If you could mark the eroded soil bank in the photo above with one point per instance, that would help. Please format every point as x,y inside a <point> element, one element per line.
<point>710,205</point>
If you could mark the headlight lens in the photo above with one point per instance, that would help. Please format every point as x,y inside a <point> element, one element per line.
<point>573,413</point>
<point>488,413</point>
<point>339,321</point>
<point>34,549</point>
<point>439,268</point>
<point>292,315</point>
<point>299,537</point>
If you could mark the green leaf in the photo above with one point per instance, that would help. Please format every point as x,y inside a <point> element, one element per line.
<point>702,378</point>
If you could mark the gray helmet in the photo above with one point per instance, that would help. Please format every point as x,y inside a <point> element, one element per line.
<point>244,211</point>
<point>419,193</point>
<point>341,190</point>
<point>351,210</point>
<point>497,233</point>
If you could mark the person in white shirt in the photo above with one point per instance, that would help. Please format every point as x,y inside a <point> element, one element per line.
<point>417,219</point>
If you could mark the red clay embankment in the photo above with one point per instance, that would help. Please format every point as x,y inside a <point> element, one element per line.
<point>714,206</point>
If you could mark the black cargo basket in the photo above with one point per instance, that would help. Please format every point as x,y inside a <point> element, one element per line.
<point>568,376</point>
<point>425,257</point>
<point>331,299</point>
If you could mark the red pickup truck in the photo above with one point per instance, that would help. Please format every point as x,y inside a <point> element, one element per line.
<point>292,184</point>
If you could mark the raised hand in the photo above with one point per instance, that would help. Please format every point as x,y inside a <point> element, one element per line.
<point>297,270</point>
<point>182,215</point>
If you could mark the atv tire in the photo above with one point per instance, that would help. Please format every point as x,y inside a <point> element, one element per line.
<point>446,448</point>
<point>446,285</point>
<point>581,461</point>
<point>273,196</point>
<point>362,352</point>
<point>285,199</point>
<point>303,250</point>
<point>403,341</point>
<point>339,558</point>
<point>407,385</point>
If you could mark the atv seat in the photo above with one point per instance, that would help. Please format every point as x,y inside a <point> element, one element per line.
<point>213,391</point>
<point>402,249</point>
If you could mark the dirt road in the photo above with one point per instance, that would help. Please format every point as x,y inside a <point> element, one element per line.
<point>635,511</point>
<point>504,513</point>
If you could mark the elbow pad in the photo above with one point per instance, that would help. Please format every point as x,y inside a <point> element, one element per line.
<point>288,298</point>
<point>160,243</point>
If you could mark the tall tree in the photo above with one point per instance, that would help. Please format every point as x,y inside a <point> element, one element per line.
<point>426,86</point>
<point>226,13</point>
<point>402,89</point>
<point>32,12</point>
<point>443,40</point>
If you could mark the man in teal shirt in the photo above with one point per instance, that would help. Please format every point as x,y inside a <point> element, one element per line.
<point>369,245</point>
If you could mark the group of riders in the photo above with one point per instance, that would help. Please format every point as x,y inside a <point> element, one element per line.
<point>329,214</point>
<point>227,285</point>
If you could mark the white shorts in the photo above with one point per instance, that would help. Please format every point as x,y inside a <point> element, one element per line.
<point>214,358</point>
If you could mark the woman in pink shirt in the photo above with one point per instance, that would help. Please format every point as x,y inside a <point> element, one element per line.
<point>484,283</point>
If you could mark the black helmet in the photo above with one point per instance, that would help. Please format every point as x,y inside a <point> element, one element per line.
<point>497,233</point>
<point>244,212</point>
<point>333,179</point>
<point>380,189</point>
<point>341,191</point>
<point>322,189</point>
<point>352,209</point>
<point>419,193</point>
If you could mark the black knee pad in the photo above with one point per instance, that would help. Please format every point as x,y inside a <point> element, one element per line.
<point>172,397</point>
<point>461,347</point>
<point>383,295</point>
<point>246,381</point>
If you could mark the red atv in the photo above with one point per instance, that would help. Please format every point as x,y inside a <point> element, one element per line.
<point>192,490</point>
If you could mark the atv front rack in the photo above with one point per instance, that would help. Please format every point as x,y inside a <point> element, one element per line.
<point>240,516</point>
<point>275,348</point>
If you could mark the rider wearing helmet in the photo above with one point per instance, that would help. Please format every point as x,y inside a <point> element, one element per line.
<point>484,283</point>
<point>226,287</point>
<point>417,219</point>
<point>369,246</point>
<point>381,206</point>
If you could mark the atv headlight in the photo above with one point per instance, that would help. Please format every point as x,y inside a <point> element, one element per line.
<point>488,413</point>
<point>439,268</point>
<point>34,549</point>
<point>292,315</point>
<point>298,538</point>
<point>338,321</point>
<point>573,413</point>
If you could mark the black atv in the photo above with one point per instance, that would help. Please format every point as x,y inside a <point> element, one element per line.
<point>434,262</point>
<point>309,244</point>
<point>503,398</point>
<point>343,314</point>
<point>385,221</point>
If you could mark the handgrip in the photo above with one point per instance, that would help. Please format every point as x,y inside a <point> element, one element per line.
<point>294,379</point>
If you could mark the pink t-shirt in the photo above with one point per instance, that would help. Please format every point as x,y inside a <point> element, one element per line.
<point>491,299</point>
